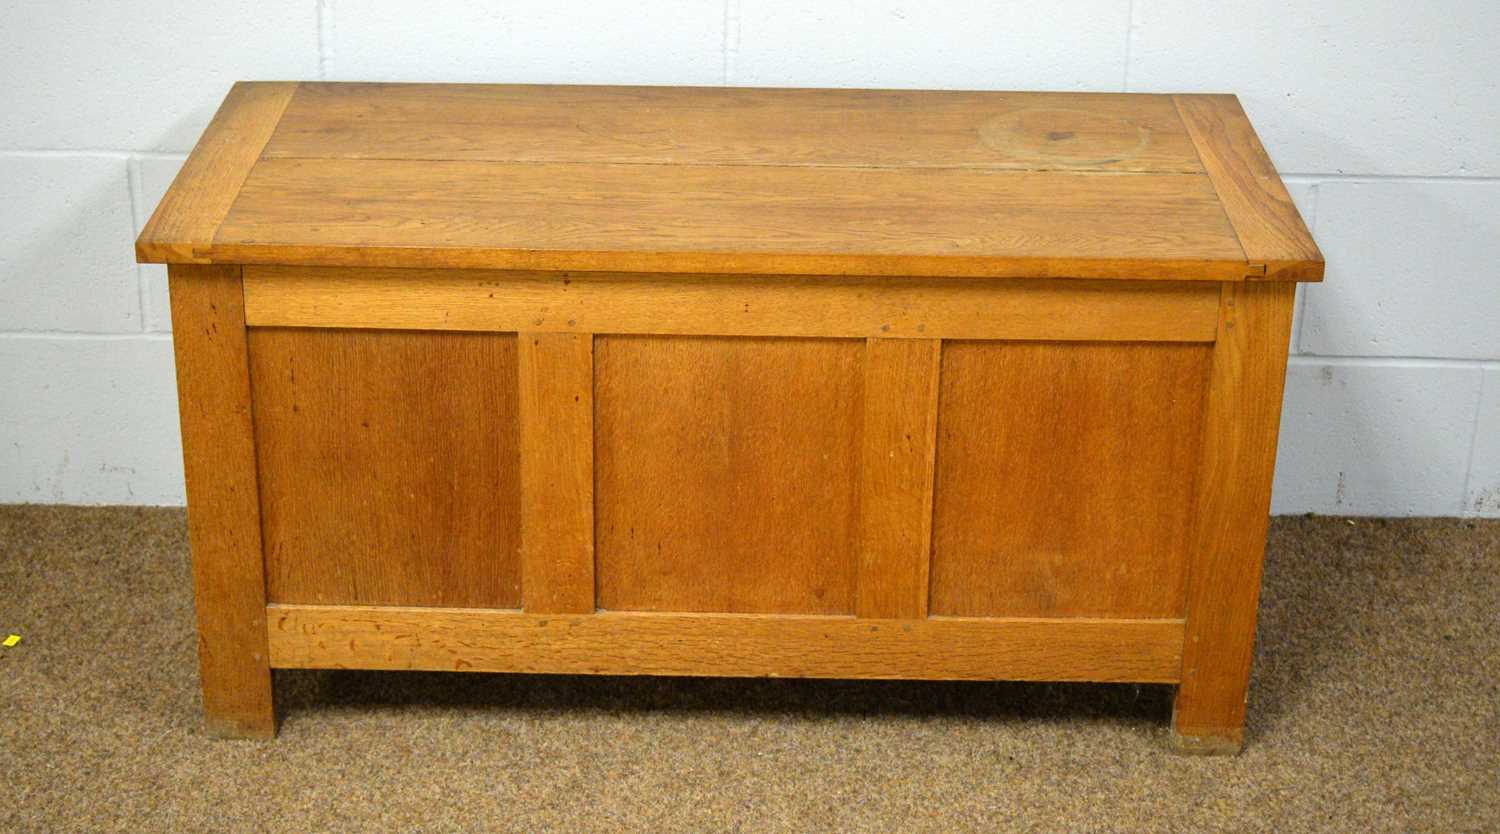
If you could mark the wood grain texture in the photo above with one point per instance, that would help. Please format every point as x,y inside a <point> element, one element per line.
<point>895,510</point>
<point>733,305</point>
<point>1064,478</point>
<point>182,228</point>
<point>734,181</point>
<point>1242,419</point>
<point>1264,218</point>
<point>379,486</point>
<point>728,473</point>
<point>557,472</point>
<point>218,444</point>
<point>730,219</point>
<point>730,382</point>
<point>631,643</point>
<point>736,126</point>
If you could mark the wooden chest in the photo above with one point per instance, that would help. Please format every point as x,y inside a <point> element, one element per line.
<point>852,384</point>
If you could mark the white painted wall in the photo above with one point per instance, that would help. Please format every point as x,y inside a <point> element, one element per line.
<point>1384,116</point>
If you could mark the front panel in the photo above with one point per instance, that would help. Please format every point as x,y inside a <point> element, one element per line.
<point>727,473</point>
<point>388,466</point>
<point>1065,478</point>
<point>863,472</point>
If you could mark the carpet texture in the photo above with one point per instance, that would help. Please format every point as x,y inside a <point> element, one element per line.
<point>1375,707</point>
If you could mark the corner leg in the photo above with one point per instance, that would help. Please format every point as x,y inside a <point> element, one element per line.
<point>1241,421</point>
<point>239,704</point>
<point>218,442</point>
<point>1203,741</point>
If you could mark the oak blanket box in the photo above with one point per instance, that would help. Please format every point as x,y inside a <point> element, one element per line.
<point>710,381</point>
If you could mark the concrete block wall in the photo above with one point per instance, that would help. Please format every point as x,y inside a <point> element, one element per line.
<point>1382,117</point>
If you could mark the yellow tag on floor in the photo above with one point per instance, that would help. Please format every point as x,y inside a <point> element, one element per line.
<point>11,640</point>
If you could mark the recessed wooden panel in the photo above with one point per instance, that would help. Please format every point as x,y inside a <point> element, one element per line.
<point>388,466</point>
<point>1065,478</point>
<point>727,473</point>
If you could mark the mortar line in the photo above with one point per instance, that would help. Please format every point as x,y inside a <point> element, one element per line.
<point>136,193</point>
<point>1304,289</point>
<point>82,336</point>
<point>1433,179</point>
<point>730,45</point>
<point>106,153</point>
<point>1394,361</point>
<point>1469,490</point>
<point>324,14</point>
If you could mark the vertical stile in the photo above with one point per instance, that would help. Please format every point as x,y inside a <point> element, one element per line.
<point>900,438</point>
<point>557,472</point>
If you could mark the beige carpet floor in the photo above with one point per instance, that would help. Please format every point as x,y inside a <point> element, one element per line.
<point>1375,707</point>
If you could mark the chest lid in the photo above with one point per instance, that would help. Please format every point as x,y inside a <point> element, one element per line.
<point>733,180</point>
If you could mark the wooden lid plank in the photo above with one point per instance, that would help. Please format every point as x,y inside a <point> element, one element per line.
<point>182,228</point>
<point>737,126</point>
<point>1270,230</point>
<point>725,218</point>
